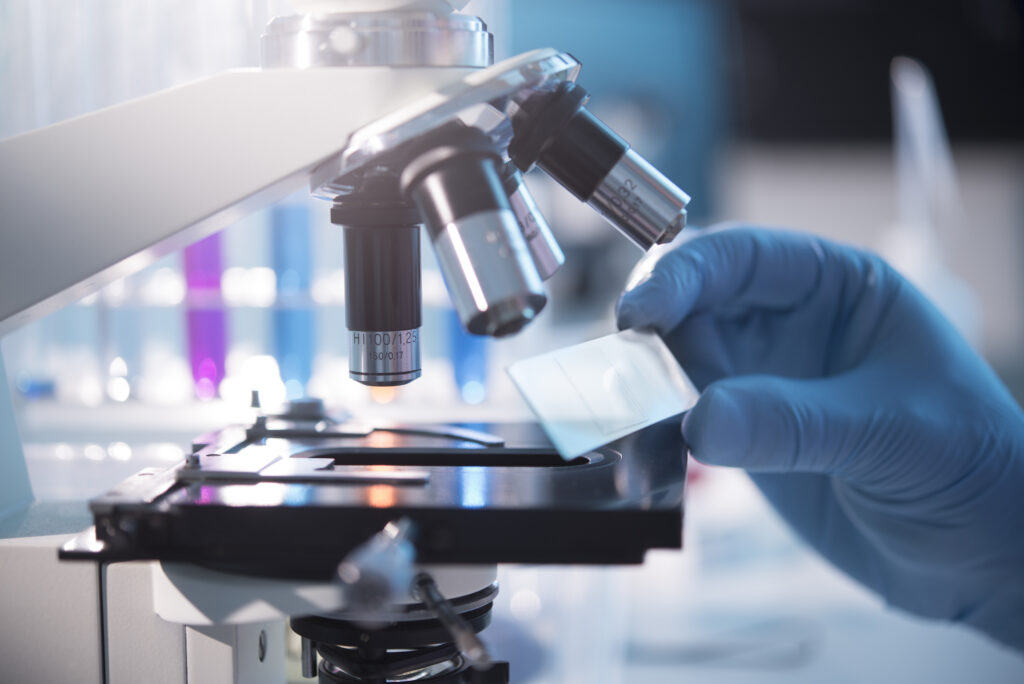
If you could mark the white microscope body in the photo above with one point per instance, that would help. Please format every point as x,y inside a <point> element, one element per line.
<point>93,199</point>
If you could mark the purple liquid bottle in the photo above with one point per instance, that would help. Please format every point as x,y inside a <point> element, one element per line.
<point>205,315</point>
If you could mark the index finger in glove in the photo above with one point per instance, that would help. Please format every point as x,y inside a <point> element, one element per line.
<point>741,267</point>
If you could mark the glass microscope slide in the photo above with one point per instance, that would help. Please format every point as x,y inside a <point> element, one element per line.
<point>590,394</point>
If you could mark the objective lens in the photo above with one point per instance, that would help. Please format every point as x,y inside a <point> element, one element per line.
<point>638,200</point>
<point>480,248</point>
<point>384,358</point>
<point>547,254</point>
<point>382,293</point>
<point>575,148</point>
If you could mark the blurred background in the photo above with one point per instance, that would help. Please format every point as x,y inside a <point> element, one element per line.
<point>897,126</point>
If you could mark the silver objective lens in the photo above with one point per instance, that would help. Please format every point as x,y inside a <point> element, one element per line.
<point>382,358</point>
<point>489,272</point>
<point>480,248</point>
<point>544,249</point>
<point>638,200</point>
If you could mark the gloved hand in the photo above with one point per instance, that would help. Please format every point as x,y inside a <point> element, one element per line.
<point>863,416</point>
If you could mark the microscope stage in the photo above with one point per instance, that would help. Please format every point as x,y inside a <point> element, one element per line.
<point>292,497</point>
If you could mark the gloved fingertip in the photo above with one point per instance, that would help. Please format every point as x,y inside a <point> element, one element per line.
<point>715,428</point>
<point>634,309</point>
<point>628,315</point>
<point>645,305</point>
<point>687,451</point>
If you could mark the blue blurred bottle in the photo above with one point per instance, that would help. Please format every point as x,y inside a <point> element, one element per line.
<point>468,354</point>
<point>293,317</point>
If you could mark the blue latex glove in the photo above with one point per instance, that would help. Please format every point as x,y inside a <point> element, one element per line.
<point>858,410</point>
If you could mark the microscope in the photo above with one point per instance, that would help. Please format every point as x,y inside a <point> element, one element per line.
<point>379,542</point>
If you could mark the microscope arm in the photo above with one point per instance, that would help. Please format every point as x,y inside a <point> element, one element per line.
<point>95,198</point>
<point>98,197</point>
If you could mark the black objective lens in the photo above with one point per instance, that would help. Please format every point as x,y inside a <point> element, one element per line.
<point>554,131</point>
<point>382,292</point>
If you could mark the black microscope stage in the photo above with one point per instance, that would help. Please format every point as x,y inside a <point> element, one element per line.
<point>291,496</point>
